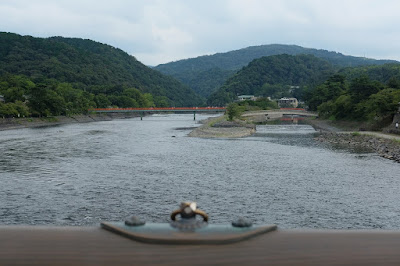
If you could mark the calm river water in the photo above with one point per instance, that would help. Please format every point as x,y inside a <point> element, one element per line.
<point>81,174</point>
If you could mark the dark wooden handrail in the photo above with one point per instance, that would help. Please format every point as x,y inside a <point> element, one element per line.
<point>94,246</point>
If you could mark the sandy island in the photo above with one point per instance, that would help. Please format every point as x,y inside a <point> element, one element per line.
<point>218,127</point>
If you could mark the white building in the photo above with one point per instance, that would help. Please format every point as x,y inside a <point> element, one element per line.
<point>288,102</point>
<point>247,97</point>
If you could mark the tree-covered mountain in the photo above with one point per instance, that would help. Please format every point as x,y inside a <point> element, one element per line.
<point>387,75</point>
<point>89,66</point>
<point>274,76</point>
<point>205,74</point>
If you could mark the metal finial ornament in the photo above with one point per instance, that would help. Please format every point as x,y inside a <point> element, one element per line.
<point>188,212</point>
<point>188,226</point>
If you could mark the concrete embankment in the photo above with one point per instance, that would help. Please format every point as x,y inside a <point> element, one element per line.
<point>16,123</point>
<point>322,125</point>
<point>218,127</point>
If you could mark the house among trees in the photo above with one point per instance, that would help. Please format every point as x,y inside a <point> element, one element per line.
<point>2,99</point>
<point>288,102</point>
<point>247,97</point>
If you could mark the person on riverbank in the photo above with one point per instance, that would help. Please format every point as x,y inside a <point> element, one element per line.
<point>397,125</point>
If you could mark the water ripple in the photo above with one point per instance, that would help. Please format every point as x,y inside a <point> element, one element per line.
<point>82,174</point>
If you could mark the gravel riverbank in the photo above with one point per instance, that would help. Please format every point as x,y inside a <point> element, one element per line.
<point>385,145</point>
<point>387,148</point>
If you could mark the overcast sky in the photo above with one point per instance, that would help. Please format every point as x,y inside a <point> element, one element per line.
<point>157,32</point>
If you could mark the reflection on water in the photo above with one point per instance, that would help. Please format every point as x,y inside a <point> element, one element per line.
<point>80,174</point>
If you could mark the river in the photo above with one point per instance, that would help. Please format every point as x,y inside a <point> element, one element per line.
<point>81,174</point>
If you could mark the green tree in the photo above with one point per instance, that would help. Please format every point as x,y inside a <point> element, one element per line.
<point>102,101</point>
<point>84,101</point>
<point>382,103</point>
<point>140,99</point>
<point>330,90</point>
<point>343,107</point>
<point>44,101</point>
<point>161,101</point>
<point>148,100</point>
<point>362,87</point>
<point>327,110</point>
<point>123,101</point>
<point>21,108</point>
<point>394,83</point>
<point>233,111</point>
<point>8,110</point>
<point>14,94</point>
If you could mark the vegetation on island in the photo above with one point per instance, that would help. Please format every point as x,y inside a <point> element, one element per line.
<point>52,76</point>
<point>233,111</point>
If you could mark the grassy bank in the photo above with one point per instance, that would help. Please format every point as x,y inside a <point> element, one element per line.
<point>16,123</point>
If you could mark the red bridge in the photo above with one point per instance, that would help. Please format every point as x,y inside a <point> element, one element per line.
<point>159,109</point>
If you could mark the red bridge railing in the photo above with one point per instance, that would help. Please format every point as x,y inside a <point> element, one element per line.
<point>293,109</point>
<point>155,109</point>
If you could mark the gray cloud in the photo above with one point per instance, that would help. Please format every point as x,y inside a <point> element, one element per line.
<point>161,31</point>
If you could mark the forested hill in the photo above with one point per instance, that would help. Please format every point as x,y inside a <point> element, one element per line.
<point>272,76</point>
<point>207,73</point>
<point>90,66</point>
<point>370,94</point>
